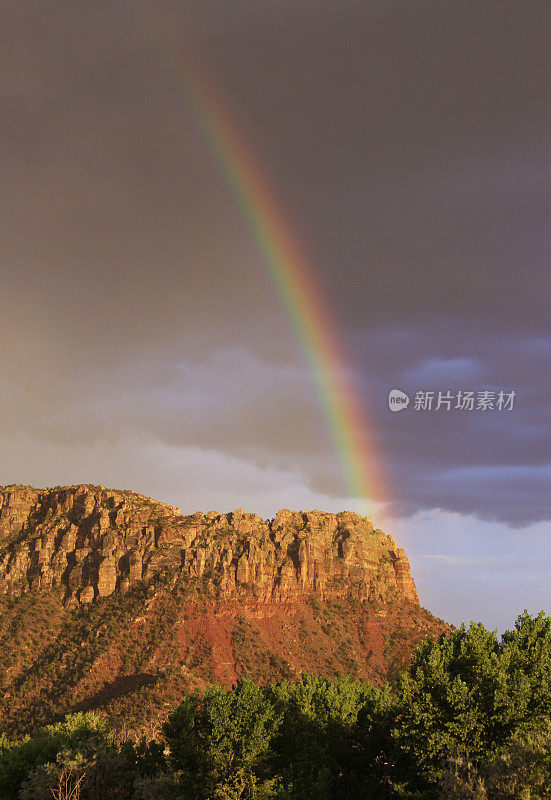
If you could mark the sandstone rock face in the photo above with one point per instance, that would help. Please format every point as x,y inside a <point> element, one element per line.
<point>92,542</point>
<point>112,601</point>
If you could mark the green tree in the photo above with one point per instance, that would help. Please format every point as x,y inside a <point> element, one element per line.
<point>315,748</point>
<point>219,743</point>
<point>18,759</point>
<point>379,762</point>
<point>469,693</point>
<point>525,701</point>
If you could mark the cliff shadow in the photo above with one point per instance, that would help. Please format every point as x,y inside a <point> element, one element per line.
<point>125,684</point>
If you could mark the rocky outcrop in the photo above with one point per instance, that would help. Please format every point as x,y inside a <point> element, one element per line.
<point>114,602</point>
<point>92,542</point>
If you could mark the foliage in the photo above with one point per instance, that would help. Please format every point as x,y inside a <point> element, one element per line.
<point>379,765</point>
<point>521,771</point>
<point>461,780</point>
<point>62,779</point>
<point>220,741</point>
<point>469,694</point>
<point>94,771</point>
<point>146,759</point>
<point>157,787</point>
<point>18,759</point>
<point>87,764</point>
<point>314,747</point>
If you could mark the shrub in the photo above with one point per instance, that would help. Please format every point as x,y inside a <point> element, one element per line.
<point>18,759</point>
<point>93,772</point>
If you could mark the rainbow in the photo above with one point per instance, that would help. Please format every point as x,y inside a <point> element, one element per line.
<point>290,274</point>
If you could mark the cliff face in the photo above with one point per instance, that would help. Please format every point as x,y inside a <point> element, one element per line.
<point>93,542</point>
<point>112,601</point>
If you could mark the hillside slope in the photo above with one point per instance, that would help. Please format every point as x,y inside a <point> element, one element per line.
<point>112,601</point>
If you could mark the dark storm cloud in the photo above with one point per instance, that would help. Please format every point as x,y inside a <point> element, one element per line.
<point>494,463</point>
<point>408,143</point>
<point>411,143</point>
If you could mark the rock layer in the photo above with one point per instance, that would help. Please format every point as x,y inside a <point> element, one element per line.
<point>93,542</point>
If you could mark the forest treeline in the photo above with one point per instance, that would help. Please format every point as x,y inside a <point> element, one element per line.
<point>470,720</point>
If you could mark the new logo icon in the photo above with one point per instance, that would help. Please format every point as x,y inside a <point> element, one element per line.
<point>397,400</point>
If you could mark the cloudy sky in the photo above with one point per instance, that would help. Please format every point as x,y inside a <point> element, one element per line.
<point>144,346</point>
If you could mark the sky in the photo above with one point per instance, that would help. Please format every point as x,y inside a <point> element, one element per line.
<point>145,345</point>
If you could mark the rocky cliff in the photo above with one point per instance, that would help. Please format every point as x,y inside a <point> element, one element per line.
<point>93,542</point>
<point>108,596</point>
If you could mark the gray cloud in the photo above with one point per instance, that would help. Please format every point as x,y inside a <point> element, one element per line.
<point>407,144</point>
<point>493,464</point>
